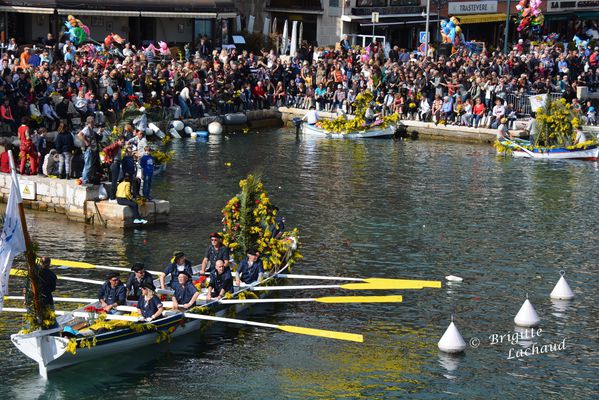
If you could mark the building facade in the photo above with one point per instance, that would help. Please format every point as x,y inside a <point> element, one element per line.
<point>174,21</point>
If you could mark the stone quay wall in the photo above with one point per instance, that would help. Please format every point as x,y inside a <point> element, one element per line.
<point>80,203</point>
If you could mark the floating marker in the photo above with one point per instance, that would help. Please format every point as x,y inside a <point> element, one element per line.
<point>451,341</point>
<point>562,290</point>
<point>527,316</point>
<point>215,128</point>
<point>453,278</point>
<point>228,164</point>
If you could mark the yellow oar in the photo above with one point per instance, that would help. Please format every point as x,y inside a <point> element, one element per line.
<point>381,284</point>
<point>330,299</point>
<point>373,283</point>
<point>353,337</point>
<point>86,265</point>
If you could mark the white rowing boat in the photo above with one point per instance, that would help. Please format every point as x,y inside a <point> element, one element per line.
<point>51,350</point>
<point>312,130</point>
<point>522,149</point>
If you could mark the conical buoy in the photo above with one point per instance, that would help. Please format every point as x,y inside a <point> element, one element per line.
<point>452,341</point>
<point>562,290</point>
<point>527,316</point>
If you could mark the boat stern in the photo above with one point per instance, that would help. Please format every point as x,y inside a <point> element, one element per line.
<point>41,347</point>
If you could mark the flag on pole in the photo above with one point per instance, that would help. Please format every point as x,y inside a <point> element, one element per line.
<point>12,240</point>
<point>537,101</point>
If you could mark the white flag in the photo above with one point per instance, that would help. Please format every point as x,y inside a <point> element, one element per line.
<point>12,241</point>
<point>537,101</point>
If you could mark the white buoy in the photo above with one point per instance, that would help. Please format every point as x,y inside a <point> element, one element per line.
<point>453,278</point>
<point>215,128</point>
<point>178,125</point>
<point>188,130</point>
<point>527,316</point>
<point>562,290</point>
<point>451,341</point>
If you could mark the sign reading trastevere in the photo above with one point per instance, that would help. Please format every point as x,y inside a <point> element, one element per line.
<point>472,7</point>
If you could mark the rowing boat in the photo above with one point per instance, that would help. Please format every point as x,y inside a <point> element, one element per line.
<point>522,149</point>
<point>52,351</point>
<point>371,133</point>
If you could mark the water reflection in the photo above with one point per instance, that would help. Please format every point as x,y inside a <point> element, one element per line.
<point>382,208</point>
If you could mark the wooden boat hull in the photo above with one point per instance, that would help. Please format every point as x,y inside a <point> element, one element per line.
<point>311,130</point>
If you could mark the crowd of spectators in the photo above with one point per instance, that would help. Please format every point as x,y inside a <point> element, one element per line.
<point>58,86</point>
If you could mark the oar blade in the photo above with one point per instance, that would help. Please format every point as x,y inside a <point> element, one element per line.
<point>71,264</point>
<point>352,337</point>
<point>360,299</point>
<point>18,272</point>
<point>391,284</point>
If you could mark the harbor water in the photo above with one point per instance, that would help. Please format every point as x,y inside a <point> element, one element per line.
<point>382,208</point>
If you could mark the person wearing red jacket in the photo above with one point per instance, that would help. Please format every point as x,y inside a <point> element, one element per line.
<point>260,95</point>
<point>27,149</point>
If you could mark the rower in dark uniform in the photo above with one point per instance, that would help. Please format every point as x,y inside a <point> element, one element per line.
<point>47,282</point>
<point>186,293</point>
<point>137,277</point>
<point>112,293</point>
<point>149,305</point>
<point>250,268</point>
<point>179,264</point>
<point>215,251</point>
<point>221,282</point>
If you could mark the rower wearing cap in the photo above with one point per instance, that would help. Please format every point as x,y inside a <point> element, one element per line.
<point>221,282</point>
<point>215,251</point>
<point>250,268</point>
<point>112,293</point>
<point>186,293</point>
<point>149,305</point>
<point>136,278</point>
<point>179,265</point>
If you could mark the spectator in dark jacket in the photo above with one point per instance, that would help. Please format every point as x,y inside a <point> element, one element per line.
<point>64,146</point>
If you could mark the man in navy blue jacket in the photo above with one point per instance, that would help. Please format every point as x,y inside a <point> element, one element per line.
<point>112,293</point>
<point>250,268</point>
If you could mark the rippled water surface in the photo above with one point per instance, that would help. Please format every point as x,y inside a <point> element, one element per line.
<point>372,209</point>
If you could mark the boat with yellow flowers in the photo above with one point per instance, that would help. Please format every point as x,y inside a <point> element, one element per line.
<point>365,133</point>
<point>58,339</point>
<point>518,148</point>
<point>356,126</point>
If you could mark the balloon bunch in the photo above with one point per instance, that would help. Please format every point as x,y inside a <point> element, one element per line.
<point>78,31</point>
<point>530,15</point>
<point>451,32</point>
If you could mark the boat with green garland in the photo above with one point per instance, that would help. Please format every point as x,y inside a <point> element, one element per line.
<point>557,136</point>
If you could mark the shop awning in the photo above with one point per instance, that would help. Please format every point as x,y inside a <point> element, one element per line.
<point>160,14</point>
<point>588,15</point>
<point>481,18</point>
<point>63,11</point>
<point>27,10</point>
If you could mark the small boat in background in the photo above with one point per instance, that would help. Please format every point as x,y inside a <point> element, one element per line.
<point>370,133</point>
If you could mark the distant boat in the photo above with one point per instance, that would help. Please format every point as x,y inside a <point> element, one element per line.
<point>522,149</point>
<point>370,133</point>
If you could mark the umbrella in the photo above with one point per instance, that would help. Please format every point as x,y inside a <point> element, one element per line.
<point>266,26</point>
<point>301,34</point>
<point>293,46</point>
<point>285,39</point>
<point>251,20</point>
<point>274,25</point>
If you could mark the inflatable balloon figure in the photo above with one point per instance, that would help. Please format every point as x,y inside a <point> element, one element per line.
<point>78,31</point>
<point>113,38</point>
<point>164,50</point>
<point>451,32</point>
<point>530,15</point>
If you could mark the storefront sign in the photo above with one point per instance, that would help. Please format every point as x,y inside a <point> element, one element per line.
<point>472,7</point>
<point>573,5</point>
